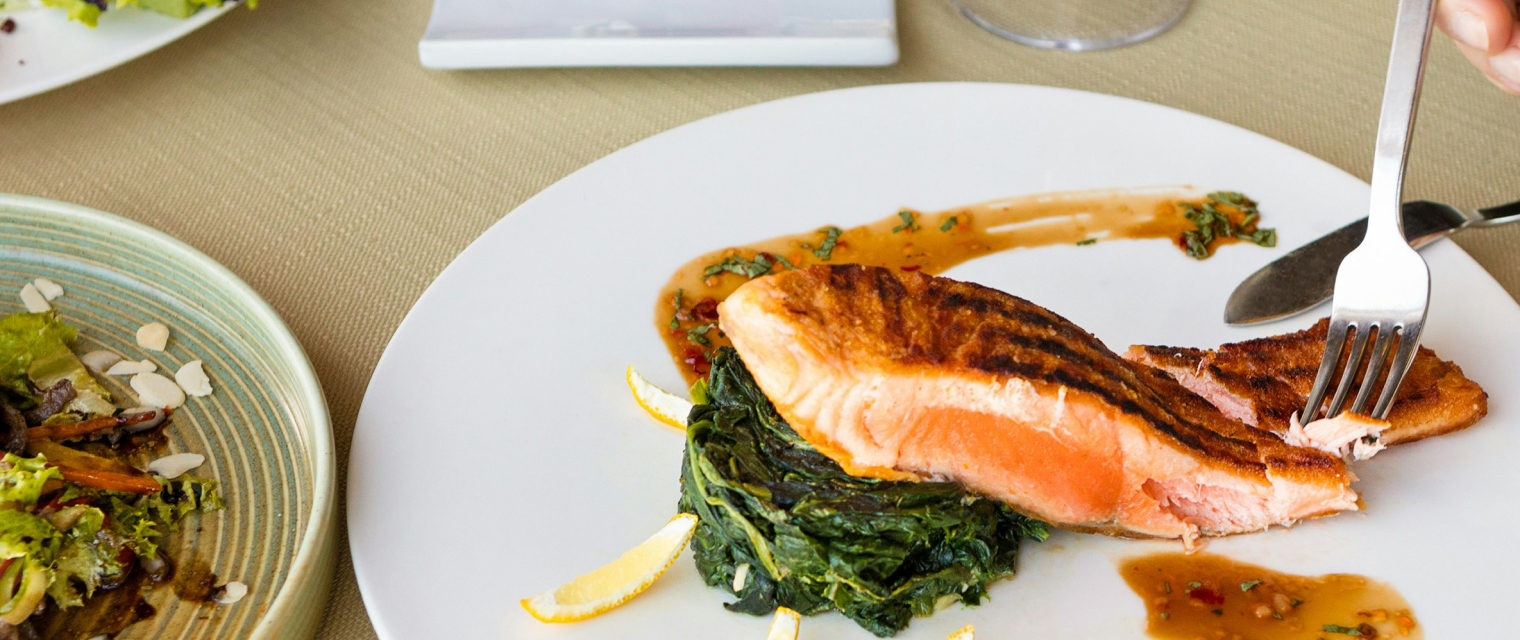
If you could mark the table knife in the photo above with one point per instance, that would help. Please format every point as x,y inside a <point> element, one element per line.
<point>1305,277</point>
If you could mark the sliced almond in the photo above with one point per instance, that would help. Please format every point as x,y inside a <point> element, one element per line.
<point>48,288</point>
<point>153,336</point>
<point>230,593</point>
<point>33,300</point>
<point>157,391</point>
<point>176,465</point>
<point>101,360</point>
<point>192,378</point>
<point>129,368</point>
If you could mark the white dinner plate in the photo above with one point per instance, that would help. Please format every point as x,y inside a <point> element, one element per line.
<point>47,50</point>
<point>498,452</point>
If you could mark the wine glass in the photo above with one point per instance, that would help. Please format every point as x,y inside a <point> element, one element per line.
<point>1074,25</point>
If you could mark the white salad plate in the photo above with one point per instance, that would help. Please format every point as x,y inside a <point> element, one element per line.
<point>498,452</point>
<point>47,50</point>
<point>477,34</point>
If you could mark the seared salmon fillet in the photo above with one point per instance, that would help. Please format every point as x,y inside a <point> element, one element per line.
<point>908,376</point>
<point>1263,382</point>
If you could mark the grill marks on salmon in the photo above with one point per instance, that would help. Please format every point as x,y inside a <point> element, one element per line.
<point>1263,382</point>
<point>904,375</point>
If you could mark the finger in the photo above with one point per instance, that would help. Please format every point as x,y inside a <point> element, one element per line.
<point>1485,25</point>
<point>1505,67</point>
<point>1483,62</point>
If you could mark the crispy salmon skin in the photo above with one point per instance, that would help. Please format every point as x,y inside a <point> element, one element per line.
<point>904,375</point>
<point>1263,382</point>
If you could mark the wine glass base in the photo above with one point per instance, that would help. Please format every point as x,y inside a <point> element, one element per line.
<point>1084,42</point>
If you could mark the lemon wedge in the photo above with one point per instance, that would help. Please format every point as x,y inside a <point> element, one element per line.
<point>965,633</point>
<point>599,591</point>
<point>665,406</point>
<point>784,625</point>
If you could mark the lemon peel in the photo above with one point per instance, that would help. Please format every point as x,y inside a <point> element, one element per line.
<point>670,409</point>
<point>613,584</point>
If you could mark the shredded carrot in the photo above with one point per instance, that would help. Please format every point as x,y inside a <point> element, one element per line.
<point>84,428</point>
<point>108,481</point>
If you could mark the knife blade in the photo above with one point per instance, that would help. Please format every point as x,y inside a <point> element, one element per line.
<point>1305,277</point>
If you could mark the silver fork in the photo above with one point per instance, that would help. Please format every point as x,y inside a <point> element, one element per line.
<point>1383,286</point>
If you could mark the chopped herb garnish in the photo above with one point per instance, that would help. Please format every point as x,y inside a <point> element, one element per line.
<point>1232,198</point>
<point>760,266</point>
<point>786,263</point>
<point>1335,628</point>
<point>949,223</point>
<point>909,223</point>
<point>1277,615</point>
<point>698,334</point>
<point>675,318</point>
<point>1212,224</point>
<point>1249,584</point>
<point>825,249</point>
<point>1166,587</point>
<point>1083,243</point>
<point>1194,585</point>
<point>1165,615</point>
<point>1295,602</point>
<point>1217,612</point>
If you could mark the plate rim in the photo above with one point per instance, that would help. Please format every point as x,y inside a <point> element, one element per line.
<point>505,226</point>
<point>305,566</point>
<point>128,54</point>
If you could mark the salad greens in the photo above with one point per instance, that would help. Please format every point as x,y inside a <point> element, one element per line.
<point>68,526</point>
<point>24,337</point>
<point>89,11</point>
<point>21,481</point>
<point>811,537</point>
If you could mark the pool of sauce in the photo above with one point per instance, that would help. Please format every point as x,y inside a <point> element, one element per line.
<point>106,613</point>
<point>933,243</point>
<point>1213,597</point>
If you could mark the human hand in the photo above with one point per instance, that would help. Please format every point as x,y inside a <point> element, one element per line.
<point>1488,33</point>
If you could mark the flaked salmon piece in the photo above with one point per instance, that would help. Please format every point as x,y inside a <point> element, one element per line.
<point>1264,382</point>
<point>1348,435</point>
<point>904,375</point>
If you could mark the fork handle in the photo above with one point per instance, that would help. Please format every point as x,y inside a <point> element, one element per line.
<point>1401,95</point>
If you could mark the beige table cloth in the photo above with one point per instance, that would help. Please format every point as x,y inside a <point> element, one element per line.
<point>303,146</point>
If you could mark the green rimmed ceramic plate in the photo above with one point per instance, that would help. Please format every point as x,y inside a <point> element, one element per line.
<point>264,431</point>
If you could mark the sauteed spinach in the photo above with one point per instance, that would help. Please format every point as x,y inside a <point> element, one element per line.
<point>799,532</point>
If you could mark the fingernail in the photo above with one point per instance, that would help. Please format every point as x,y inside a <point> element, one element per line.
<point>1470,30</point>
<point>1507,66</point>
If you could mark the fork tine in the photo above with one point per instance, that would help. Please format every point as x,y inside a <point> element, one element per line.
<point>1409,341</point>
<point>1353,363</point>
<point>1335,339</point>
<point>1374,367</point>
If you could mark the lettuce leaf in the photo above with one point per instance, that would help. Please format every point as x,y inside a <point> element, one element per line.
<point>142,522</point>
<point>80,10</point>
<point>85,560</point>
<point>182,496</point>
<point>23,534</point>
<point>23,338</point>
<point>134,524</point>
<point>21,479</point>
<point>88,11</point>
<point>91,398</point>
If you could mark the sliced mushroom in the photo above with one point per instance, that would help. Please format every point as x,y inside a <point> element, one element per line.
<point>12,430</point>
<point>54,399</point>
